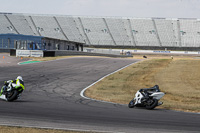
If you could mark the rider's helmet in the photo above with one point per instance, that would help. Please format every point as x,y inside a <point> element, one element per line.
<point>20,78</point>
<point>157,88</point>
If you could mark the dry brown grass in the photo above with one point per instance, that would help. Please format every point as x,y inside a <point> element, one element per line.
<point>178,77</point>
<point>7,129</point>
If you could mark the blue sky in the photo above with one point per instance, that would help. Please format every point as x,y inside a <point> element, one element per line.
<point>125,8</point>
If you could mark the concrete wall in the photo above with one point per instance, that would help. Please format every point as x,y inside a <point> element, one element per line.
<point>78,53</point>
<point>54,53</point>
<point>149,48</point>
<point>4,50</point>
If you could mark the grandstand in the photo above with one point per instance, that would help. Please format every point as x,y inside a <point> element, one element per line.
<point>144,33</point>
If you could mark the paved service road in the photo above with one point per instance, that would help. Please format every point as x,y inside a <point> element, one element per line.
<point>52,99</point>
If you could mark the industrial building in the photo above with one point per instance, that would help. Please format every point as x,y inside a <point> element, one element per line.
<point>30,42</point>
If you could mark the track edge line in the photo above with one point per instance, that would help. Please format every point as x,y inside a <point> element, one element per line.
<point>88,98</point>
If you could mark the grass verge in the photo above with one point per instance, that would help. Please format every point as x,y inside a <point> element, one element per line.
<point>29,62</point>
<point>8,129</point>
<point>179,78</point>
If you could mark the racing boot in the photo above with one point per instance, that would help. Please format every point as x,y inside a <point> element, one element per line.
<point>160,103</point>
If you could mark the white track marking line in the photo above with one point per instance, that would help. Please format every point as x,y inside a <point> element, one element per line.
<point>83,91</point>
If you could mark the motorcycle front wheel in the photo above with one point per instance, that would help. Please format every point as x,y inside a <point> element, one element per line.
<point>131,104</point>
<point>151,103</point>
<point>12,95</point>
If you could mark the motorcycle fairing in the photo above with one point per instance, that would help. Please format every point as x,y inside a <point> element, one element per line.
<point>157,95</point>
<point>3,97</point>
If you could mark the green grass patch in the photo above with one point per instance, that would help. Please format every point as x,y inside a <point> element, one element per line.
<point>28,62</point>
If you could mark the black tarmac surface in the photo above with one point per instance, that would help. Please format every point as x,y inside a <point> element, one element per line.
<point>52,99</point>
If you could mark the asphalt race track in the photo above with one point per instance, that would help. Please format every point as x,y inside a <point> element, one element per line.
<point>52,99</point>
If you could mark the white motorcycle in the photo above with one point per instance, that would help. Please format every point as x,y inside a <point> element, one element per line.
<point>148,98</point>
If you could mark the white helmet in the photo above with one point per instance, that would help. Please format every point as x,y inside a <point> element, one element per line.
<point>20,78</point>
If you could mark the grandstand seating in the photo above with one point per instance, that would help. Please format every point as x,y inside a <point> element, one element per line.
<point>69,28</point>
<point>106,31</point>
<point>144,32</point>
<point>96,31</point>
<point>118,31</point>
<point>81,30</point>
<point>130,37</point>
<point>5,26</point>
<point>32,25</point>
<point>166,32</point>
<point>48,27</point>
<point>190,32</point>
<point>21,25</point>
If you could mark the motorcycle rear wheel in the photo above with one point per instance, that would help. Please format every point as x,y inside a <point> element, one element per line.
<point>11,96</point>
<point>151,103</point>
